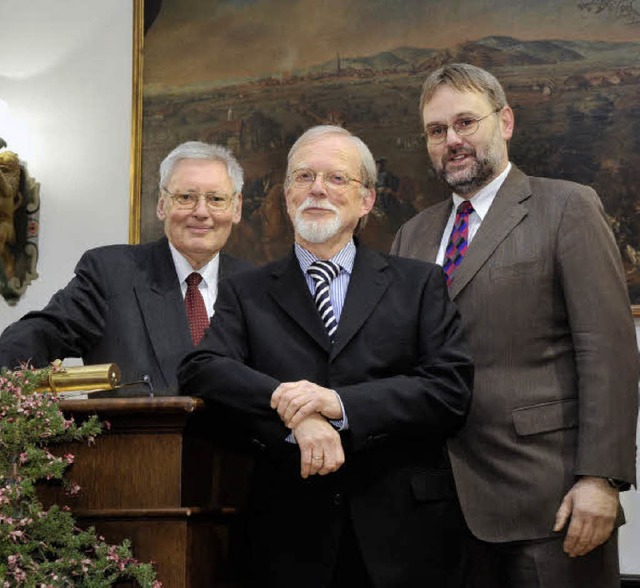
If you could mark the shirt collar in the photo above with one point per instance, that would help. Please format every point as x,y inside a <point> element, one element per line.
<point>344,258</point>
<point>209,272</point>
<point>483,199</point>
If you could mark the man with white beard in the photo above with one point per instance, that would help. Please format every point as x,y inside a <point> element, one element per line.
<point>349,371</point>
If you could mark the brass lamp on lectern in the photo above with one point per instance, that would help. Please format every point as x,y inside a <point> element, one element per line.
<point>86,378</point>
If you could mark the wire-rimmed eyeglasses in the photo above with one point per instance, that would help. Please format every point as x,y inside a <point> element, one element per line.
<point>333,179</point>
<point>215,201</point>
<point>463,126</point>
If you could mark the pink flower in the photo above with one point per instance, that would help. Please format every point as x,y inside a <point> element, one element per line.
<point>15,535</point>
<point>73,489</point>
<point>69,457</point>
<point>20,575</point>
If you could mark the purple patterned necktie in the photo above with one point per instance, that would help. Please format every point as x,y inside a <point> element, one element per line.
<point>458,241</point>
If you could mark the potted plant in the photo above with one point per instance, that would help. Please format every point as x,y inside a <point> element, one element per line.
<point>42,547</point>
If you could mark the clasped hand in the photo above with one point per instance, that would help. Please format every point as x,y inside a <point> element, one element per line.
<point>304,407</point>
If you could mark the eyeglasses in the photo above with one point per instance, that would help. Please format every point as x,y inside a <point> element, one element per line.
<point>215,201</point>
<point>464,127</point>
<point>333,180</point>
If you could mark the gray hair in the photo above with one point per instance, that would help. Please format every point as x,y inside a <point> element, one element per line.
<point>464,77</point>
<point>200,150</point>
<point>368,168</point>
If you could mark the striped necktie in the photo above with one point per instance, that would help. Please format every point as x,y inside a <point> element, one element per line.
<point>323,273</point>
<point>458,241</point>
<point>196,310</point>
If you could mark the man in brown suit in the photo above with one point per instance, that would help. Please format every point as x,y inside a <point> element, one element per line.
<point>536,274</point>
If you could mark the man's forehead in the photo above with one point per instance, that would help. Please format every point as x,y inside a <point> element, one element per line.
<point>326,150</point>
<point>206,169</point>
<point>447,101</point>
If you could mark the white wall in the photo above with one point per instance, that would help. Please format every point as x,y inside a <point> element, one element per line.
<point>630,533</point>
<point>65,73</point>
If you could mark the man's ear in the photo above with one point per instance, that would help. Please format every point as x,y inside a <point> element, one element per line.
<point>161,212</point>
<point>237,213</point>
<point>368,200</point>
<point>507,122</point>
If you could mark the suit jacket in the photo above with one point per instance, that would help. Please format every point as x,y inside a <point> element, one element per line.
<point>400,366</point>
<point>124,305</point>
<point>543,299</point>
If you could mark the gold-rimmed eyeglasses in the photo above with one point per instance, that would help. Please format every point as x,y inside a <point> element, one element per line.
<point>333,180</point>
<point>463,126</point>
<point>215,201</point>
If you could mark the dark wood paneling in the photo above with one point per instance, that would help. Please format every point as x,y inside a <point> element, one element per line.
<point>159,478</point>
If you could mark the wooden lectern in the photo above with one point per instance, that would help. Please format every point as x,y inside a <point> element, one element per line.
<point>159,478</point>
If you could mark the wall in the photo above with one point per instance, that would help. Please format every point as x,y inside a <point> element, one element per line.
<point>630,533</point>
<point>65,73</point>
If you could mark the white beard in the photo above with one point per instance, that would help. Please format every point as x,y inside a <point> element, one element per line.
<point>317,231</point>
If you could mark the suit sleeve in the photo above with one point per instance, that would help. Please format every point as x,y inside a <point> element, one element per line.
<point>592,278</point>
<point>216,371</point>
<point>71,322</point>
<point>432,398</point>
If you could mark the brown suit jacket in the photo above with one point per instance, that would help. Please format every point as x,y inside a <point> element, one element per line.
<point>543,299</point>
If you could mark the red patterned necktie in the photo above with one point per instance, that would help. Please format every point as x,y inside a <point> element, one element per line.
<point>458,241</point>
<point>196,310</point>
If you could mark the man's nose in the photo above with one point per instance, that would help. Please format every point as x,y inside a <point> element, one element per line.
<point>201,208</point>
<point>452,138</point>
<point>318,187</point>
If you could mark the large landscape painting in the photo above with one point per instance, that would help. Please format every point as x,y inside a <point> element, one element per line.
<point>254,74</point>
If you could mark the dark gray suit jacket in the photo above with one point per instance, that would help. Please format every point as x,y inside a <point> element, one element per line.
<point>542,295</point>
<point>124,305</point>
<point>400,366</point>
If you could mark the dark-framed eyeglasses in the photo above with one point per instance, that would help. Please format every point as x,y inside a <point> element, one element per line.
<point>464,127</point>
<point>333,179</point>
<point>215,201</point>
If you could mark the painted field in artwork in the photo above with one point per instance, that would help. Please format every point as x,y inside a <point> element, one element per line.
<point>572,78</point>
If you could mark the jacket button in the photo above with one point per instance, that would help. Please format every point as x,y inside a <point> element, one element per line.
<point>337,499</point>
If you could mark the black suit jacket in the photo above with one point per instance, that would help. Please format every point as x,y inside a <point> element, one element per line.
<point>124,305</point>
<point>400,366</point>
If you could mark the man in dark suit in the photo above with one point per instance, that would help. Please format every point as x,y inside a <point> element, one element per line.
<point>536,273</point>
<point>126,302</point>
<point>350,405</point>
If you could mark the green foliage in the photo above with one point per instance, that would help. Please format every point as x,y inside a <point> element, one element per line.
<point>43,548</point>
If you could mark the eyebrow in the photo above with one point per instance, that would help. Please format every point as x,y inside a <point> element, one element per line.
<point>456,117</point>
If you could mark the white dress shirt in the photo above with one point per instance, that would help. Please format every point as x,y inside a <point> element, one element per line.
<point>481,203</point>
<point>208,286</point>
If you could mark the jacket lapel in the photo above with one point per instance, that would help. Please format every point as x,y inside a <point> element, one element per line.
<point>289,290</point>
<point>367,285</point>
<point>504,215</point>
<point>162,307</point>
<point>430,231</point>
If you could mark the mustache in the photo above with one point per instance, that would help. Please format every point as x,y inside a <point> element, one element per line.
<point>452,151</point>
<point>317,203</point>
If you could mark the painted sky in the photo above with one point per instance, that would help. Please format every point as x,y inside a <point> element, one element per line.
<point>198,40</point>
